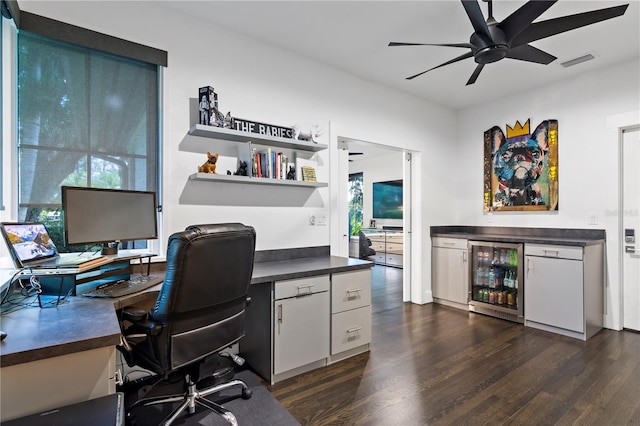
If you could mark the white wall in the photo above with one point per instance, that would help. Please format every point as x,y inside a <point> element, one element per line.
<point>258,82</point>
<point>587,154</point>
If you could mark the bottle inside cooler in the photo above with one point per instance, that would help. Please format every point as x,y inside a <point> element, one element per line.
<point>495,276</point>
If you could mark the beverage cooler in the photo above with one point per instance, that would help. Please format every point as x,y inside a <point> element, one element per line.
<point>496,280</point>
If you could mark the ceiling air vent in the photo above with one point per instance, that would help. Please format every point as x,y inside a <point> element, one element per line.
<point>578,60</point>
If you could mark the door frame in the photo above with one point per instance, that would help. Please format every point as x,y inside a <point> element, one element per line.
<point>338,224</point>
<point>614,289</point>
<point>621,213</point>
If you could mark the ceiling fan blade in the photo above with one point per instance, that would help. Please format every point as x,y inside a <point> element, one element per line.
<point>475,74</point>
<point>543,29</point>
<point>459,58</point>
<point>477,18</point>
<point>467,45</point>
<point>519,20</point>
<point>530,54</point>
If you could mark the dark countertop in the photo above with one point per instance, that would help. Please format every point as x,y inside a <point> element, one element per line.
<point>78,324</point>
<point>304,267</point>
<point>81,324</point>
<point>558,236</point>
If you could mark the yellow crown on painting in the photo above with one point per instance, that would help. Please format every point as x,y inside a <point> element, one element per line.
<point>518,130</point>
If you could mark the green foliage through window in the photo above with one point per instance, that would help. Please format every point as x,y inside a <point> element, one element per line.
<point>355,203</point>
<point>85,118</point>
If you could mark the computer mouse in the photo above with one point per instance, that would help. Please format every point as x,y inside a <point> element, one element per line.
<point>2,335</point>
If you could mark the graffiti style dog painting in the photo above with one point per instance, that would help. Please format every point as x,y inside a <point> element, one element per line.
<point>521,168</point>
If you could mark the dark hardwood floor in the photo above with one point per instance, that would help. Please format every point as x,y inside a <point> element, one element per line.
<point>430,364</point>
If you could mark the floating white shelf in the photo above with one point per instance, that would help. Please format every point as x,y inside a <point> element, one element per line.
<point>254,180</point>
<point>256,138</point>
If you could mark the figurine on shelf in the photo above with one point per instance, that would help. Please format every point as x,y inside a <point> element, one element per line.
<point>204,111</point>
<point>210,165</point>
<point>306,133</point>
<point>219,120</point>
<point>242,169</point>
<point>291,174</point>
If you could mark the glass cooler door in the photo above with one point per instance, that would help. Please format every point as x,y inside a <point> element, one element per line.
<point>496,280</point>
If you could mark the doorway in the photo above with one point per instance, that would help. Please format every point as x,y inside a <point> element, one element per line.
<point>378,178</point>
<point>630,224</point>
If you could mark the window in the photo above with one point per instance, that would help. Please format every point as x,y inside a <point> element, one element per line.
<point>85,118</point>
<point>355,203</point>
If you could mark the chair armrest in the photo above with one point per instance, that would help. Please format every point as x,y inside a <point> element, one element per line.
<point>145,327</point>
<point>133,314</point>
<point>141,322</point>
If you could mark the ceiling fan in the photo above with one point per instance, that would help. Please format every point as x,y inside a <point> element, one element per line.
<point>492,41</point>
<point>355,153</point>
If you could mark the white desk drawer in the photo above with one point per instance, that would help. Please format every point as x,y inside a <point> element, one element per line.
<point>301,286</point>
<point>394,259</point>
<point>377,246</point>
<point>394,248</point>
<point>398,239</point>
<point>454,243</point>
<point>350,290</point>
<point>560,252</point>
<point>350,329</point>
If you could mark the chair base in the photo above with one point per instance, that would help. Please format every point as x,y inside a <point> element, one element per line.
<point>194,396</point>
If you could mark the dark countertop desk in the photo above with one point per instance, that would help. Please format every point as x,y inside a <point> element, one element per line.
<point>506,234</point>
<point>82,323</point>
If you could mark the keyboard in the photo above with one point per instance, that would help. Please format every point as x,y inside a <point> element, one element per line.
<point>126,287</point>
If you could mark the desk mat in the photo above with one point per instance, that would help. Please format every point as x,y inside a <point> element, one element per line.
<point>261,409</point>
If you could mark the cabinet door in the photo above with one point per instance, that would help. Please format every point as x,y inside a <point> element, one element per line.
<point>450,274</point>
<point>553,292</point>
<point>301,331</point>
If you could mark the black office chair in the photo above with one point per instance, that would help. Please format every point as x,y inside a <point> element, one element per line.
<point>199,313</point>
<point>364,246</point>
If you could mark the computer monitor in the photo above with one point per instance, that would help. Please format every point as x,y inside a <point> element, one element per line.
<point>108,216</point>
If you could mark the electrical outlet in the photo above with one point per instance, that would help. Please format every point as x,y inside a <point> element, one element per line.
<point>593,218</point>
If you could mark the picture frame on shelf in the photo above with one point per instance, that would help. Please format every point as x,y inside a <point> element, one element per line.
<point>308,174</point>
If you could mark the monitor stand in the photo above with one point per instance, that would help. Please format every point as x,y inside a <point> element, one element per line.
<point>110,248</point>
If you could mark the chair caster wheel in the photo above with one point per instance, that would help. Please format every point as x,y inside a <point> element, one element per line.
<point>246,393</point>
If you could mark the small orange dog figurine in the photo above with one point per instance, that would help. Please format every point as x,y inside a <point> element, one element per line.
<point>210,165</point>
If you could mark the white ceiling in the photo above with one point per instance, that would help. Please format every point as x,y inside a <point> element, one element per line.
<point>354,36</point>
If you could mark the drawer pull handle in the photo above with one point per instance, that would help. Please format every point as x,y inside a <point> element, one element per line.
<point>280,313</point>
<point>554,253</point>
<point>304,287</point>
<point>354,330</point>
<point>353,293</point>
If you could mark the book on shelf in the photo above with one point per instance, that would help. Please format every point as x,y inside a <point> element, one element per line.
<point>266,163</point>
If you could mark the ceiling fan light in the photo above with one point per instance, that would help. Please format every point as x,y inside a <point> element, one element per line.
<point>578,60</point>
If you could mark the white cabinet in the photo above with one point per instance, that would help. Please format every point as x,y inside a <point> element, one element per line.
<point>450,272</point>
<point>564,289</point>
<point>298,325</point>
<point>350,313</point>
<point>301,326</point>
<point>50,383</point>
<point>388,245</point>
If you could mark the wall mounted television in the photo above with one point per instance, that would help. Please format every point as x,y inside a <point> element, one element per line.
<point>387,199</point>
<point>108,216</point>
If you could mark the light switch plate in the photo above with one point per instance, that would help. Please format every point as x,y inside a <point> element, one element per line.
<point>317,219</point>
